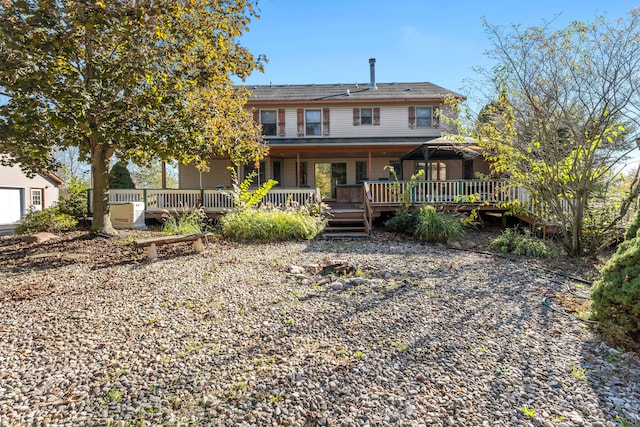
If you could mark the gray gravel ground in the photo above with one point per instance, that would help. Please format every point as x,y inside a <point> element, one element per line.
<point>255,334</point>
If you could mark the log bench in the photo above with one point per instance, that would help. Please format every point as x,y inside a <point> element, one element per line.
<point>151,243</point>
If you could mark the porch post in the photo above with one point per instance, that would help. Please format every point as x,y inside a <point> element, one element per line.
<point>298,169</point>
<point>164,175</point>
<point>369,167</point>
<point>425,152</point>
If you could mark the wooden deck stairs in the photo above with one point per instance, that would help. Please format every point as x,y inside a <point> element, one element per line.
<point>346,223</point>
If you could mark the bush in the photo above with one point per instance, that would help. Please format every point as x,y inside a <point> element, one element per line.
<point>120,177</point>
<point>510,241</point>
<point>434,226</point>
<point>73,200</point>
<point>615,297</point>
<point>272,224</point>
<point>403,221</point>
<point>48,219</point>
<point>189,222</point>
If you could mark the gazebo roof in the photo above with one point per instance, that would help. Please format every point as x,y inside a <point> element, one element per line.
<point>445,148</point>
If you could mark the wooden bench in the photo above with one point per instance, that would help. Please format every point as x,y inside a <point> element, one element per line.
<point>152,243</point>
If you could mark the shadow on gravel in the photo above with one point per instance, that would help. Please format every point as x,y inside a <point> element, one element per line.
<point>614,376</point>
<point>456,341</point>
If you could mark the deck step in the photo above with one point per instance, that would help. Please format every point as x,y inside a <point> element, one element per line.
<point>345,223</point>
<point>346,235</point>
<point>339,229</point>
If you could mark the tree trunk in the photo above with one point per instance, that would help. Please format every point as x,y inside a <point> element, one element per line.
<point>100,157</point>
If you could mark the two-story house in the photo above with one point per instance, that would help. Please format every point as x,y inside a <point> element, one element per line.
<point>335,136</point>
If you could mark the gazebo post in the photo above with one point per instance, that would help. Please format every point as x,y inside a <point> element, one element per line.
<point>425,152</point>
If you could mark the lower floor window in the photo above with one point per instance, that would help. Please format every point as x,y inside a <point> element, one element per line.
<point>361,171</point>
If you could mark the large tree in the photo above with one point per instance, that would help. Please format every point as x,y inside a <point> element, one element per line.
<point>563,117</point>
<point>138,79</point>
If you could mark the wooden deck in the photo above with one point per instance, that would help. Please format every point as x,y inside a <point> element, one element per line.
<point>375,198</point>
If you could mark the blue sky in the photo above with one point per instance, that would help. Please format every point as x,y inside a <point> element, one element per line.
<point>412,40</point>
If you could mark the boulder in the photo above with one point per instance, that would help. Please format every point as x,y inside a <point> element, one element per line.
<point>40,237</point>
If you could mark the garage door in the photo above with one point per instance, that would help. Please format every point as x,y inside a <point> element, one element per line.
<point>9,205</point>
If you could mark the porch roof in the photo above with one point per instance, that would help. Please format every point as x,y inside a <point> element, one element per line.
<point>443,148</point>
<point>366,141</point>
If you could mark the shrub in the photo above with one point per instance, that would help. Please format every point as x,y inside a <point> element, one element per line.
<point>48,219</point>
<point>120,177</point>
<point>73,201</point>
<point>510,241</point>
<point>188,222</point>
<point>272,224</point>
<point>403,221</point>
<point>615,297</point>
<point>434,226</point>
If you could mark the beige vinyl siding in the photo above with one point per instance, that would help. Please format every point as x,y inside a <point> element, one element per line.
<point>289,176</point>
<point>393,123</point>
<point>218,174</point>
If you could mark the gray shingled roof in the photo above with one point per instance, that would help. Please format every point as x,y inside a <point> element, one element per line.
<point>349,92</point>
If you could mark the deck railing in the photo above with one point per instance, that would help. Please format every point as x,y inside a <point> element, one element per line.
<point>213,201</point>
<point>376,194</point>
<point>470,191</point>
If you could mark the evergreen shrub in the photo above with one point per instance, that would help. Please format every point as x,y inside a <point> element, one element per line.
<point>615,297</point>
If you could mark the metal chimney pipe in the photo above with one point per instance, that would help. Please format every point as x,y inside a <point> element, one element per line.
<point>372,67</point>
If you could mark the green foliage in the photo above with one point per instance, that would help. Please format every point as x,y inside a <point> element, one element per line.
<point>268,222</point>
<point>188,222</point>
<point>615,297</point>
<point>403,221</point>
<point>511,241</point>
<point>48,219</point>
<point>154,81</point>
<point>401,192</point>
<point>558,124</point>
<point>120,177</point>
<point>244,197</point>
<point>528,411</point>
<point>272,224</point>
<point>434,226</point>
<point>73,198</point>
<point>634,225</point>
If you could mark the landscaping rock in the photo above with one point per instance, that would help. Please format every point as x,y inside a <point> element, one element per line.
<point>38,237</point>
<point>402,333</point>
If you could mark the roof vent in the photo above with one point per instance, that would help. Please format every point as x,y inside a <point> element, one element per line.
<point>348,93</point>
<point>372,68</point>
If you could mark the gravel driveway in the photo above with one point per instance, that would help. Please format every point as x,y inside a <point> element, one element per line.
<point>355,333</point>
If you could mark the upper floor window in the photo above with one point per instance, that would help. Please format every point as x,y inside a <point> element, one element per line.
<point>366,116</point>
<point>423,117</point>
<point>269,121</point>
<point>313,122</point>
